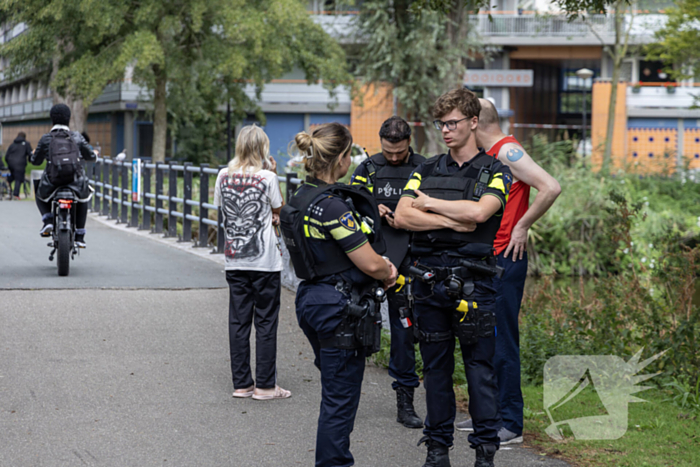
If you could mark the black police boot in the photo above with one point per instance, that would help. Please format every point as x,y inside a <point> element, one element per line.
<point>484,455</point>
<point>406,414</point>
<point>438,454</point>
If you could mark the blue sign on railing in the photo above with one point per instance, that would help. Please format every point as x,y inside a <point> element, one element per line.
<point>136,180</point>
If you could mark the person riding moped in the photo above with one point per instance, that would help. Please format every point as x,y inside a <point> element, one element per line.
<point>63,149</point>
<point>332,231</point>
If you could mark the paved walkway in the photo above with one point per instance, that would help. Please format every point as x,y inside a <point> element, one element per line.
<point>140,377</point>
<point>113,259</point>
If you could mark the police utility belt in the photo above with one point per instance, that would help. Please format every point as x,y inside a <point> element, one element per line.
<point>361,327</point>
<point>469,323</point>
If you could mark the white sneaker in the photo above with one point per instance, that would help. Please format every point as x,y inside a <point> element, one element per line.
<point>46,230</point>
<point>466,425</point>
<point>508,437</point>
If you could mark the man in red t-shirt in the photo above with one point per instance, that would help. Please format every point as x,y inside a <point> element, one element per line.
<point>511,249</point>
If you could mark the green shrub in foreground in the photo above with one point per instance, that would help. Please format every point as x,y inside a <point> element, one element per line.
<point>571,238</point>
<point>644,304</point>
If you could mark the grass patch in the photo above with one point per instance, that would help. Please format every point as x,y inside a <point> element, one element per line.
<point>30,167</point>
<point>659,433</point>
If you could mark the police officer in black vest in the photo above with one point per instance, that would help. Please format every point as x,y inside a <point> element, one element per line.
<point>332,232</point>
<point>453,203</point>
<point>385,174</point>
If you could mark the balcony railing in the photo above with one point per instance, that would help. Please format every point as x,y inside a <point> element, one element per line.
<point>658,96</point>
<point>542,25</point>
<point>38,105</point>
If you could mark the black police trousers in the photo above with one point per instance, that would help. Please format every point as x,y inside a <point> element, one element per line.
<point>434,314</point>
<point>402,357</point>
<point>319,308</point>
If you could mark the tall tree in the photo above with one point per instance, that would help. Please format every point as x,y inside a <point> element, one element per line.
<point>623,20</point>
<point>678,42</point>
<point>421,47</point>
<point>214,47</point>
<point>421,51</point>
<point>59,32</point>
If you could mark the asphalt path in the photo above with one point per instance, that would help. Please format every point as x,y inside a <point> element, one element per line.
<point>113,259</point>
<point>138,374</point>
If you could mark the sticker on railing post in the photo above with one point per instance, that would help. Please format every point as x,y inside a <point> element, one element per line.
<point>136,180</point>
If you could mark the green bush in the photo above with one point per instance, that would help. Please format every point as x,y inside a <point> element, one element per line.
<point>638,237</point>
<point>639,303</point>
<point>571,239</point>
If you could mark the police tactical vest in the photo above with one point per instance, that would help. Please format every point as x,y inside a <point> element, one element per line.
<point>294,221</point>
<point>389,180</point>
<point>455,186</point>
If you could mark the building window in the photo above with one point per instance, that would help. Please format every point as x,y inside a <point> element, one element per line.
<point>571,92</point>
<point>653,72</point>
<point>479,91</point>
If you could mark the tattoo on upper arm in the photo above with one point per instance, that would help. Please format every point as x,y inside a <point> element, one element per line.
<point>515,154</point>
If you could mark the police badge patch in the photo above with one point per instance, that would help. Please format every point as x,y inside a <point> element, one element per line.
<point>507,181</point>
<point>348,221</point>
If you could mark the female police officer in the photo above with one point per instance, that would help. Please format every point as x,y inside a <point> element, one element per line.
<point>328,230</point>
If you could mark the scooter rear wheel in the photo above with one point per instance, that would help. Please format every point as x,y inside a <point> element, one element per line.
<point>64,248</point>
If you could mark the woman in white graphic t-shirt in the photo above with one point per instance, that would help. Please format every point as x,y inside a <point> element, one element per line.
<point>249,195</point>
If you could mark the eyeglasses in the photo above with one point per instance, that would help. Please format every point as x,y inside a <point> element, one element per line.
<point>450,124</point>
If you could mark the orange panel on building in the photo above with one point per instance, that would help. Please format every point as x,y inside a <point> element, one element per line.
<point>691,147</point>
<point>599,124</point>
<point>652,150</point>
<point>557,52</point>
<point>369,110</point>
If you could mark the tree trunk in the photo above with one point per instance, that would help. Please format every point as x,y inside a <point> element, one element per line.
<point>78,115</point>
<point>433,140</point>
<point>611,116</point>
<point>160,116</point>
<point>456,32</point>
<point>78,111</point>
<point>618,53</point>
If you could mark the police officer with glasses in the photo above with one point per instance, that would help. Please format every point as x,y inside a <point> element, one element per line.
<point>385,174</point>
<point>453,203</point>
<point>332,232</point>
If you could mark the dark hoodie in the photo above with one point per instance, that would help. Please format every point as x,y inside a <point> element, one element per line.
<point>18,153</point>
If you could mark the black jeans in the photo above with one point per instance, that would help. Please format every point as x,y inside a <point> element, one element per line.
<point>253,295</point>
<point>16,175</point>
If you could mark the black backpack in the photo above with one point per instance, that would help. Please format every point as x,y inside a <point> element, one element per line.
<point>64,158</point>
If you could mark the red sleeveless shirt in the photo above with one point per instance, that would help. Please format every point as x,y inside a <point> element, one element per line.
<point>517,205</point>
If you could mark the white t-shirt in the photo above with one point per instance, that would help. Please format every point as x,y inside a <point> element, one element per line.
<point>246,201</point>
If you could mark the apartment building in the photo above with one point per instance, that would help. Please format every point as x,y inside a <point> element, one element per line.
<point>530,75</point>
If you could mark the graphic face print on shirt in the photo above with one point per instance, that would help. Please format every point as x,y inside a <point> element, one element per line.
<point>244,203</point>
